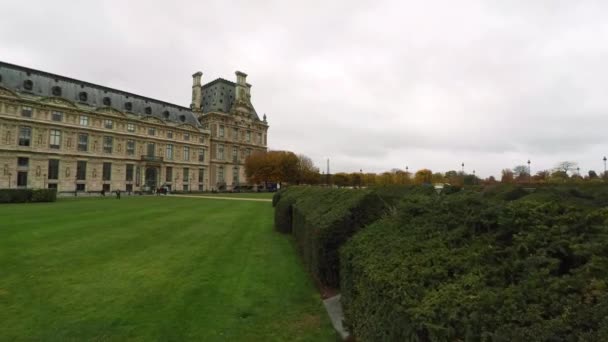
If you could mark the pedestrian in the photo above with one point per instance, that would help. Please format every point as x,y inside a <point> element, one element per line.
<point>117,194</point>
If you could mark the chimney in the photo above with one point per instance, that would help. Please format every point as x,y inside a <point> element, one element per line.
<point>241,86</point>
<point>197,91</point>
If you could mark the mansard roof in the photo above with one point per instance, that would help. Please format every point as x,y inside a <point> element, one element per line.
<point>219,95</point>
<point>44,84</point>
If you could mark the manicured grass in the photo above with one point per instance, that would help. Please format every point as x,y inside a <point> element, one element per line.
<point>263,195</point>
<point>152,268</point>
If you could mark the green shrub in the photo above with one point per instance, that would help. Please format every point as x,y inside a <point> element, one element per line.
<point>27,195</point>
<point>392,194</point>
<point>466,267</point>
<point>285,199</point>
<point>44,195</point>
<point>323,219</point>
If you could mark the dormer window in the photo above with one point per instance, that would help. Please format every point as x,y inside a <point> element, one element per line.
<point>166,114</point>
<point>56,91</point>
<point>83,96</point>
<point>128,106</point>
<point>28,85</point>
<point>148,110</point>
<point>107,101</point>
<point>182,118</point>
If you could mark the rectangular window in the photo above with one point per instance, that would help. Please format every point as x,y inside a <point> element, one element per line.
<point>169,174</point>
<point>170,134</point>
<point>185,187</point>
<point>235,134</point>
<point>25,136</point>
<point>186,174</point>
<point>26,112</point>
<point>187,136</point>
<point>235,154</point>
<point>81,170</point>
<point>248,136</point>
<point>80,187</point>
<point>23,162</point>
<point>186,153</point>
<point>201,139</point>
<point>248,152</point>
<point>130,147</point>
<point>151,149</point>
<point>53,172</point>
<point>201,155</point>
<point>152,131</point>
<point>259,138</point>
<point>131,127</point>
<point>109,124</point>
<point>170,152</point>
<point>55,138</point>
<point>201,175</point>
<point>83,142</point>
<point>235,176</point>
<point>220,152</point>
<point>57,116</point>
<point>220,174</point>
<point>22,179</point>
<point>129,177</point>
<point>108,143</point>
<point>221,133</point>
<point>107,171</point>
<point>52,186</point>
<point>84,120</point>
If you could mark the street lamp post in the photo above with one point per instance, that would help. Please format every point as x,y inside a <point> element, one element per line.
<point>604,166</point>
<point>529,173</point>
<point>360,178</point>
<point>474,178</point>
<point>462,174</point>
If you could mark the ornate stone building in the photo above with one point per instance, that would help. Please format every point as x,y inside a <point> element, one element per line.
<point>58,132</point>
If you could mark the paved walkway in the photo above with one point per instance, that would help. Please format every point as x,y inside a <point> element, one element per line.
<point>225,198</point>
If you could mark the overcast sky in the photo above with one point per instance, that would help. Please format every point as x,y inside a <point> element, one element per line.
<point>372,85</point>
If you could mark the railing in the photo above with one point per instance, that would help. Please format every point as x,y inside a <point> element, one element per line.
<point>152,159</point>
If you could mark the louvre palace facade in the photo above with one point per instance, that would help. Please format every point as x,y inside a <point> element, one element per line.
<point>70,135</point>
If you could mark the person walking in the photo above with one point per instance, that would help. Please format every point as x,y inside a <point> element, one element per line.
<point>117,194</point>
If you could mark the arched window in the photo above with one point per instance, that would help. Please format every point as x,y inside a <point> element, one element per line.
<point>56,91</point>
<point>28,85</point>
<point>107,101</point>
<point>83,96</point>
<point>182,118</point>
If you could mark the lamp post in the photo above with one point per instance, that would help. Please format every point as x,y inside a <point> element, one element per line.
<point>474,178</point>
<point>360,178</point>
<point>578,171</point>
<point>529,173</point>
<point>462,175</point>
<point>604,166</point>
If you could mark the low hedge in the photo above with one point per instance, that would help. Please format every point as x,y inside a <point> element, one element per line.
<point>467,268</point>
<point>283,202</point>
<point>323,219</point>
<point>27,195</point>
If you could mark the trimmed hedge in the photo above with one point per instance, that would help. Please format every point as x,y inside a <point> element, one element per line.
<point>323,219</point>
<point>283,202</point>
<point>27,195</point>
<point>465,267</point>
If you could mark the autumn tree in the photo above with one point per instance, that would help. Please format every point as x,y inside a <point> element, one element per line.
<point>341,179</point>
<point>566,166</point>
<point>507,176</point>
<point>423,176</point>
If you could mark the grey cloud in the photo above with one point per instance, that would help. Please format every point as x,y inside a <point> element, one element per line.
<point>372,85</point>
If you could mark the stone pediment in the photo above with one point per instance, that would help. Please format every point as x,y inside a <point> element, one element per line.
<point>57,101</point>
<point>7,92</point>
<point>153,119</point>
<point>111,111</point>
<point>188,126</point>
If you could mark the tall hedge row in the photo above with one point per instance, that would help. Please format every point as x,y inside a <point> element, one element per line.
<point>465,267</point>
<point>27,195</point>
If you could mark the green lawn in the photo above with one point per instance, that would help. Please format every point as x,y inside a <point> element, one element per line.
<point>152,268</point>
<point>263,195</point>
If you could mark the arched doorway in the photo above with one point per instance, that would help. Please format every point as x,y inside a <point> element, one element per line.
<point>151,178</point>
